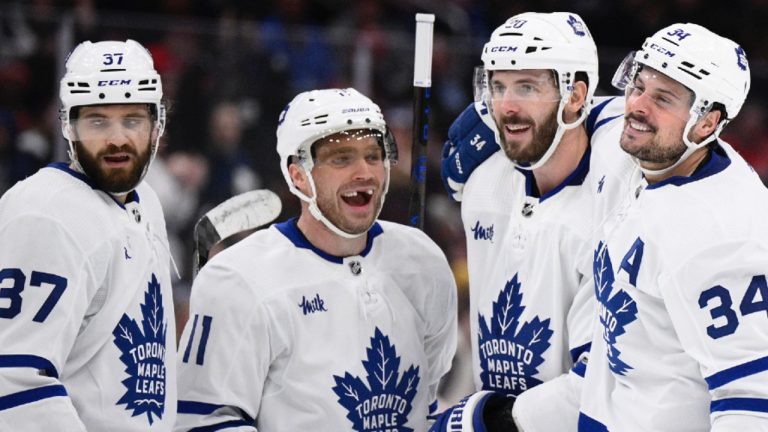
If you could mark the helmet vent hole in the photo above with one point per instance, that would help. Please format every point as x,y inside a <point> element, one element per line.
<point>698,77</point>
<point>349,121</point>
<point>101,96</point>
<point>367,120</point>
<point>530,50</point>
<point>703,72</point>
<point>143,82</point>
<point>664,65</point>
<point>127,95</point>
<point>513,62</point>
<point>70,84</point>
<point>82,84</point>
<point>112,70</point>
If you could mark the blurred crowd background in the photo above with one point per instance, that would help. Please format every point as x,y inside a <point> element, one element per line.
<point>229,67</point>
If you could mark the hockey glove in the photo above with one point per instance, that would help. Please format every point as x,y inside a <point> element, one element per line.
<point>484,411</point>
<point>472,139</point>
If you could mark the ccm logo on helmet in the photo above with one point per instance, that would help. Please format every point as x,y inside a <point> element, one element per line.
<point>106,83</point>
<point>662,50</point>
<point>505,48</point>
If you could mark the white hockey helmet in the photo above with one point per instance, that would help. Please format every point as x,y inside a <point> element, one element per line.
<point>314,115</point>
<point>714,68</point>
<point>110,72</point>
<point>558,41</point>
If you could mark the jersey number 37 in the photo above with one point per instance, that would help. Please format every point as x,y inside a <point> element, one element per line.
<point>10,296</point>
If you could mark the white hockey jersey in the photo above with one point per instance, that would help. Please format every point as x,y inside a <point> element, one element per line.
<point>680,277</point>
<point>531,303</point>
<point>87,330</point>
<point>285,337</point>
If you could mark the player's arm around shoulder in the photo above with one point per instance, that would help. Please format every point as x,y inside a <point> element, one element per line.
<point>224,351</point>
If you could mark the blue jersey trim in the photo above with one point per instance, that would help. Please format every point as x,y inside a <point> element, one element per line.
<point>580,369</point>
<point>591,123</point>
<point>185,359</point>
<point>29,361</point>
<point>717,162</point>
<point>221,426</point>
<point>732,374</point>
<point>575,178</point>
<point>194,407</point>
<point>131,196</point>
<point>578,351</point>
<point>291,230</point>
<point>32,395</point>
<point>588,424</point>
<point>740,404</point>
<point>433,408</point>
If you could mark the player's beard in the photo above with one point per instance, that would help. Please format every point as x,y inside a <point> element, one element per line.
<point>542,134</point>
<point>113,180</point>
<point>651,148</point>
<point>330,204</point>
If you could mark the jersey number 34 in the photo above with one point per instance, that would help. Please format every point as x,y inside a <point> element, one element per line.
<point>755,300</point>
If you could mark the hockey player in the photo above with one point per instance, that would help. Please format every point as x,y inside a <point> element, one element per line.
<point>680,268</point>
<point>87,338</point>
<point>332,321</point>
<point>527,210</point>
<point>681,342</point>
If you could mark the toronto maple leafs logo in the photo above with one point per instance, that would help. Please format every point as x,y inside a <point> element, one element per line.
<point>384,403</point>
<point>509,354</point>
<point>615,311</point>
<point>143,353</point>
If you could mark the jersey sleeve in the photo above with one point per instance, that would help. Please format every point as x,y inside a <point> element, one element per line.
<point>719,307</point>
<point>440,341</point>
<point>46,284</point>
<point>224,353</point>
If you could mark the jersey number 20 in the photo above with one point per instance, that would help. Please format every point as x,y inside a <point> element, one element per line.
<point>755,300</point>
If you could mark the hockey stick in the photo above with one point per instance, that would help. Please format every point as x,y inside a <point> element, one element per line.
<point>246,211</point>
<point>422,81</point>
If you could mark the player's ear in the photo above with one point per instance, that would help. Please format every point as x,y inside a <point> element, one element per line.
<point>299,178</point>
<point>706,126</point>
<point>576,101</point>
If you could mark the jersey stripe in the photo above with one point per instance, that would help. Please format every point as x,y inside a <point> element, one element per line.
<point>588,424</point>
<point>220,426</point>
<point>29,361</point>
<point>194,407</point>
<point>32,395</point>
<point>739,404</point>
<point>578,351</point>
<point>732,374</point>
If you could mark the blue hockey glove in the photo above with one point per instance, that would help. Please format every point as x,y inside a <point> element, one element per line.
<point>484,411</point>
<point>471,140</point>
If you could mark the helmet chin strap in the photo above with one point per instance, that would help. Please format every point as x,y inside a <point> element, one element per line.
<point>69,133</point>
<point>691,147</point>
<point>315,211</point>
<point>561,128</point>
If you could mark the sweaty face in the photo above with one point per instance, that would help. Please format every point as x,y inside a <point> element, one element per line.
<point>349,175</point>
<point>524,107</point>
<point>113,144</point>
<point>656,111</point>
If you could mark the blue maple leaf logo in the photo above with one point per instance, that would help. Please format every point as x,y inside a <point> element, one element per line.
<point>384,403</point>
<point>615,311</point>
<point>509,358</point>
<point>143,353</point>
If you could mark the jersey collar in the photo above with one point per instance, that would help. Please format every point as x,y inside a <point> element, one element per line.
<point>132,196</point>
<point>291,230</point>
<point>718,161</point>
<point>575,178</point>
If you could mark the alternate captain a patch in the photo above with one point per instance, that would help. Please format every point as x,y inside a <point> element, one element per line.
<point>143,353</point>
<point>384,402</point>
<point>510,353</point>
